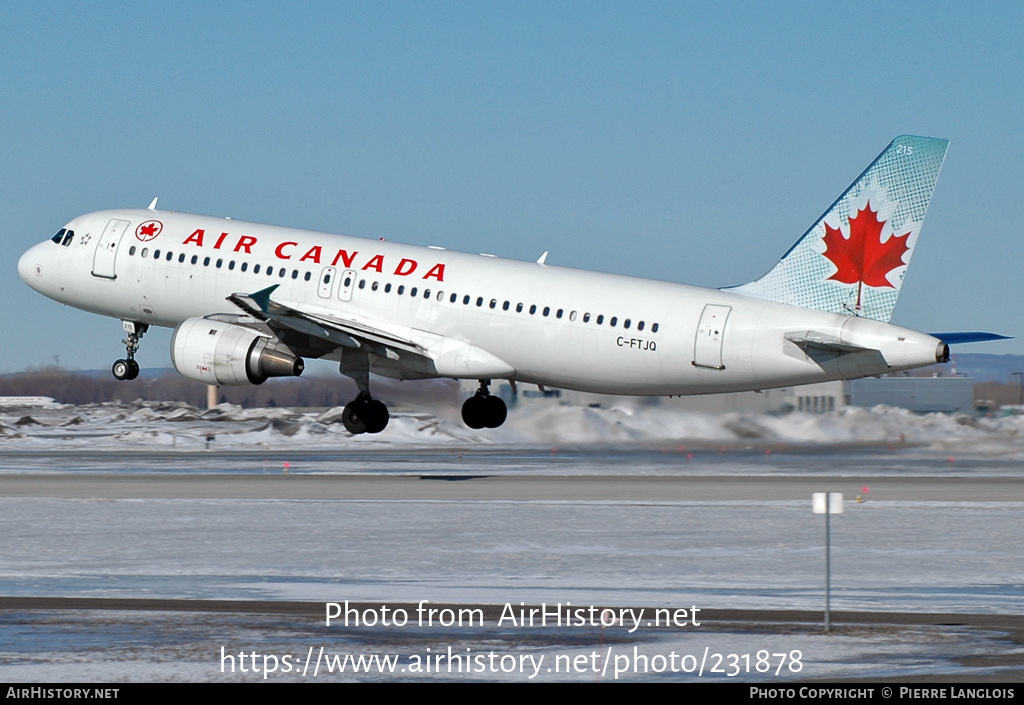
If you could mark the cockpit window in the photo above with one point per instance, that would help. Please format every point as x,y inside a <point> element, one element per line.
<point>68,238</point>
<point>59,236</point>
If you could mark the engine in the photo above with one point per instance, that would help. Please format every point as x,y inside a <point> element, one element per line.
<point>223,354</point>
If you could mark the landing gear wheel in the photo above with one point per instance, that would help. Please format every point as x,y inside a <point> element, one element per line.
<point>496,411</point>
<point>365,415</point>
<point>474,412</point>
<point>353,419</point>
<point>377,416</point>
<point>133,370</point>
<point>122,369</point>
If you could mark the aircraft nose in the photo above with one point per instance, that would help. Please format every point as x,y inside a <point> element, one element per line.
<point>30,266</point>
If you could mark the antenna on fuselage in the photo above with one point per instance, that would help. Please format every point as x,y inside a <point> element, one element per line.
<point>543,258</point>
<point>152,206</point>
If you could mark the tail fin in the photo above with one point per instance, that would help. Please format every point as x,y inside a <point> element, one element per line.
<point>854,258</point>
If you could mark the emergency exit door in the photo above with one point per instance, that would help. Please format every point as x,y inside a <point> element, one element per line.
<point>707,347</point>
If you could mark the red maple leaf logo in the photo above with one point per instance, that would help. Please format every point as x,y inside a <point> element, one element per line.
<point>148,230</point>
<point>863,258</point>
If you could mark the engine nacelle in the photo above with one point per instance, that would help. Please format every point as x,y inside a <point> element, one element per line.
<point>222,354</point>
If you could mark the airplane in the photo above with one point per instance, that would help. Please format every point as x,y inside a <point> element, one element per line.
<point>248,302</point>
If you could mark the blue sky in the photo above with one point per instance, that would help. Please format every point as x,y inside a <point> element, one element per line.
<point>687,142</point>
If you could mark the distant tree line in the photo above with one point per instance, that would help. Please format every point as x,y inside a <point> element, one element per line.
<point>69,387</point>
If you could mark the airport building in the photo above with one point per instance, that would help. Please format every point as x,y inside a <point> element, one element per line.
<point>921,394</point>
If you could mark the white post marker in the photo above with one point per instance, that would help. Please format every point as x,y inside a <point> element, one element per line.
<point>827,503</point>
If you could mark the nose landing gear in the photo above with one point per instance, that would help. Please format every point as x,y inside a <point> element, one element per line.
<point>484,410</point>
<point>128,368</point>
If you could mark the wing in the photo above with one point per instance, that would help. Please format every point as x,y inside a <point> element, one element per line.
<point>398,350</point>
<point>347,332</point>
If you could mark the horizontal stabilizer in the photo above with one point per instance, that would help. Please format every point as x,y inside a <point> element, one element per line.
<point>969,337</point>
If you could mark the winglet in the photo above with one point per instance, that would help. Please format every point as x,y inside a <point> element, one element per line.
<point>152,206</point>
<point>262,297</point>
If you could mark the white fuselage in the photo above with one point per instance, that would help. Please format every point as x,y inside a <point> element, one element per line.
<point>548,325</point>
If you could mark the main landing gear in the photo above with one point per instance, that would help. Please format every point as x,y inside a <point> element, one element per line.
<point>484,410</point>
<point>365,415</point>
<point>128,368</point>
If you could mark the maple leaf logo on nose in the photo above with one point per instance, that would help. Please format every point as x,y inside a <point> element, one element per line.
<point>863,258</point>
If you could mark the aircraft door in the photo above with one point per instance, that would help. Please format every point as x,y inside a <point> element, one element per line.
<point>348,282</point>
<point>707,347</point>
<point>327,282</point>
<point>106,249</point>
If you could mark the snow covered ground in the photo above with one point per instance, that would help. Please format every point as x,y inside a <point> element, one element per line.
<point>156,426</point>
<point>887,556</point>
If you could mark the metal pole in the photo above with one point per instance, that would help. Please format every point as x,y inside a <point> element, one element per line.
<point>828,569</point>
